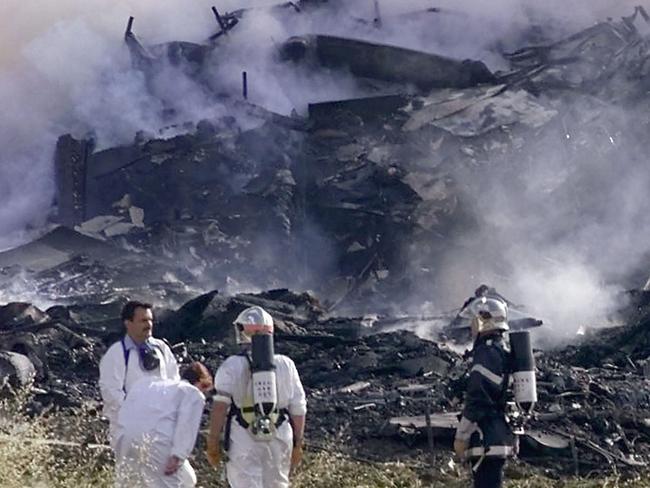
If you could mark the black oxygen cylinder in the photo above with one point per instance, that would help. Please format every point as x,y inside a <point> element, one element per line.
<point>523,370</point>
<point>262,352</point>
<point>263,371</point>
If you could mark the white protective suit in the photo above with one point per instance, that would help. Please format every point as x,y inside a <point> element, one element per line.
<point>159,419</point>
<point>251,463</point>
<point>116,377</point>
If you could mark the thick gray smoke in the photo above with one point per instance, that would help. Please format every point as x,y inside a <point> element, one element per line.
<point>64,68</point>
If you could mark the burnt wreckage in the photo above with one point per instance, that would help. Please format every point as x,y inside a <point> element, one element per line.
<point>165,217</point>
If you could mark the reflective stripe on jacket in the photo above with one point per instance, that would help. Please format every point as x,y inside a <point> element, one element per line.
<point>483,424</point>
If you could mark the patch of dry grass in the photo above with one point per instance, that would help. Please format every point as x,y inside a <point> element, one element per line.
<point>326,470</point>
<point>30,458</point>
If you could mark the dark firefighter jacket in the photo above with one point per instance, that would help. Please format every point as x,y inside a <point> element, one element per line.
<point>484,423</point>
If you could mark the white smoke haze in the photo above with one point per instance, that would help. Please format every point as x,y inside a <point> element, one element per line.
<point>64,68</point>
<point>567,296</point>
<point>252,46</point>
<point>23,289</point>
<point>564,234</point>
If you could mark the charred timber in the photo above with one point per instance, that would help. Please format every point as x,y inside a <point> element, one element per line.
<point>388,63</point>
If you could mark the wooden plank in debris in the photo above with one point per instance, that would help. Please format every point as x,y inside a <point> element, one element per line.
<point>439,421</point>
<point>365,406</point>
<point>355,387</point>
<point>416,388</point>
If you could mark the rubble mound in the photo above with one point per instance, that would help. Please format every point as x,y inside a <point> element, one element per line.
<point>377,394</point>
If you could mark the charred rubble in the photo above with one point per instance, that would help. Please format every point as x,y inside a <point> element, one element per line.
<point>358,200</point>
<point>378,395</point>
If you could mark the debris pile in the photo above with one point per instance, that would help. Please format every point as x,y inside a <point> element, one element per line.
<point>361,199</point>
<point>379,395</point>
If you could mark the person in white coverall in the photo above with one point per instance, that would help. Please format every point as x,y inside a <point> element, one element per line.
<point>253,463</point>
<point>136,355</point>
<point>156,430</point>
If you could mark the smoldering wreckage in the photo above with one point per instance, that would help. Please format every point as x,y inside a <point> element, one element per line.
<point>219,207</point>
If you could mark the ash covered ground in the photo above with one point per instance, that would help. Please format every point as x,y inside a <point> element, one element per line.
<point>387,160</point>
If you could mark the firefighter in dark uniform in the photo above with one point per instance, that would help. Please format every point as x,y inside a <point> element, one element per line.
<point>483,436</point>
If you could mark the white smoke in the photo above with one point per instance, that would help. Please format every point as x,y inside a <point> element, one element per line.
<point>64,68</point>
<point>559,230</point>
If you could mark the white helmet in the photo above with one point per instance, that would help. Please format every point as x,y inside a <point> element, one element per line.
<point>491,314</point>
<point>253,320</point>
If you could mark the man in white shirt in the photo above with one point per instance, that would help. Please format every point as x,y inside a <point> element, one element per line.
<point>254,460</point>
<point>156,429</point>
<point>136,355</point>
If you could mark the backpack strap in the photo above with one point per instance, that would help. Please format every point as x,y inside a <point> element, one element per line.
<point>237,413</point>
<point>233,412</point>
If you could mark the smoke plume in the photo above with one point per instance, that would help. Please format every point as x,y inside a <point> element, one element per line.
<point>64,68</point>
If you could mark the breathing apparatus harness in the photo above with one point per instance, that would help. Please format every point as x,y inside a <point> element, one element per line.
<point>266,416</point>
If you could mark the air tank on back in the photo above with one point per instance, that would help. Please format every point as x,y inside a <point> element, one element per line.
<point>523,370</point>
<point>265,396</point>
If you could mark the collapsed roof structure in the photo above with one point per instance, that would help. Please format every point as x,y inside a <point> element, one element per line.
<point>368,194</point>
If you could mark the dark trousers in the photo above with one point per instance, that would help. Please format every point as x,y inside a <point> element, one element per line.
<point>490,473</point>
